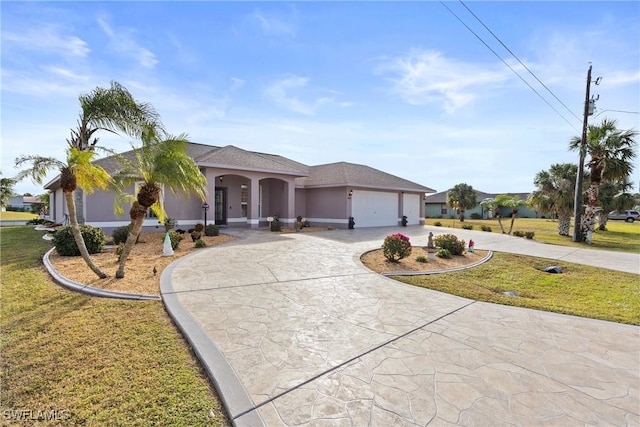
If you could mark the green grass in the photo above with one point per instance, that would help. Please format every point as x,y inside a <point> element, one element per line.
<point>621,237</point>
<point>14,216</point>
<point>96,361</point>
<point>580,290</point>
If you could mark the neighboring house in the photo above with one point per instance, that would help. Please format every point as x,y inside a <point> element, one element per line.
<point>20,203</point>
<point>436,207</point>
<point>246,188</point>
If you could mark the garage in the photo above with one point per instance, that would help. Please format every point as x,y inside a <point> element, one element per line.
<point>411,208</point>
<point>374,208</point>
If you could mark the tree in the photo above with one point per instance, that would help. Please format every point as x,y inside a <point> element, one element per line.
<point>160,163</point>
<point>6,190</point>
<point>462,197</point>
<point>555,192</point>
<point>110,109</point>
<point>613,196</point>
<point>503,201</point>
<point>611,153</point>
<point>77,171</point>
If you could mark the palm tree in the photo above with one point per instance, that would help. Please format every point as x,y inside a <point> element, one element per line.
<point>110,109</point>
<point>160,163</point>
<point>6,190</point>
<point>503,201</point>
<point>613,196</point>
<point>555,192</point>
<point>462,197</point>
<point>78,171</point>
<point>611,153</point>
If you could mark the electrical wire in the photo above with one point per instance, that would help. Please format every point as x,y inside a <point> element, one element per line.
<point>509,66</point>
<point>518,59</point>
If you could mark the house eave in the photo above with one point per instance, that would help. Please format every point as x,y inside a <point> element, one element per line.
<point>250,169</point>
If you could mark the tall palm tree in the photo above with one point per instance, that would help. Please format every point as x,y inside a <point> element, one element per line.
<point>78,171</point>
<point>110,109</point>
<point>6,190</point>
<point>555,192</point>
<point>611,153</point>
<point>462,197</point>
<point>160,163</point>
<point>613,196</point>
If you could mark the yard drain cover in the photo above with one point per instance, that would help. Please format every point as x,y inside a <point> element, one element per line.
<point>553,269</point>
<point>512,293</point>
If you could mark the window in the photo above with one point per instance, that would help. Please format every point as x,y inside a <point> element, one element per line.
<point>244,198</point>
<point>443,209</point>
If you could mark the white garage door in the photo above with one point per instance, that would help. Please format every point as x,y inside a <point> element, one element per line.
<point>374,208</point>
<point>411,208</point>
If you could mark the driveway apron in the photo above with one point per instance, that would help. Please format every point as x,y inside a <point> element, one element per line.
<point>294,330</point>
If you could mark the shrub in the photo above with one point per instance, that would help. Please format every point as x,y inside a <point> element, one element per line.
<point>120,234</point>
<point>175,238</point>
<point>529,234</point>
<point>518,233</point>
<point>94,238</point>
<point>199,227</point>
<point>200,243</point>
<point>421,258</point>
<point>451,243</point>
<point>437,224</point>
<point>396,246</point>
<point>443,253</point>
<point>486,228</point>
<point>211,230</point>
<point>467,226</point>
<point>276,225</point>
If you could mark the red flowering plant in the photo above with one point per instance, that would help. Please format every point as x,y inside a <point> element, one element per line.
<point>396,246</point>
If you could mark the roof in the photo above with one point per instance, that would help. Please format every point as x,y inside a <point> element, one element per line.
<point>351,174</point>
<point>441,197</point>
<point>231,157</point>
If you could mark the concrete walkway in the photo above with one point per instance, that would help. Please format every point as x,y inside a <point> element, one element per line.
<point>294,330</point>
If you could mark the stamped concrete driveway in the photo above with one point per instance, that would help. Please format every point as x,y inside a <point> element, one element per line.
<point>294,330</point>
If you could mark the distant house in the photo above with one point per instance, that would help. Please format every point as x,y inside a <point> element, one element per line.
<point>436,207</point>
<point>18,203</point>
<point>246,188</point>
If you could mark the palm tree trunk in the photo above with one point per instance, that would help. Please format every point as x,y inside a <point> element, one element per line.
<point>461,215</point>
<point>564,224</point>
<point>500,222</point>
<point>513,218</point>
<point>603,219</point>
<point>137,214</point>
<point>589,219</point>
<point>77,235</point>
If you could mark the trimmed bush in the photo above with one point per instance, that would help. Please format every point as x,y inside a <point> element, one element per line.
<point>120,234</point>
<point>421,258</point>
<point>94,238</point>
<point>529,234</point>
<point>486,228</point>
<point>276,225</point>
<point>518,233</point>
<point>200,243</point>
<point>437,224</point>
<point>467,226</point>
<point>175,238</point>
<point>211,230</point>
<point>199,227</point>
<point>443,253</point>
<point>396,246</point>
<point>451,243</point>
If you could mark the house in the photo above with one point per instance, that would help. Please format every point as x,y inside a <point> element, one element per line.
<point>20,203</point>
<point>436,207</point>
<point>247,189</point>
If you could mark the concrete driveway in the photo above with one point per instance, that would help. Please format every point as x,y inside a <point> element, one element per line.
<point>294,330</point>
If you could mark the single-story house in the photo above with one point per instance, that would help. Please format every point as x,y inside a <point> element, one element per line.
<point>247,189</point>
<point>24,203</point>
<point>436,207</point>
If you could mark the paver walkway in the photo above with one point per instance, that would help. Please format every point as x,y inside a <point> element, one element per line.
<point>294,330</point>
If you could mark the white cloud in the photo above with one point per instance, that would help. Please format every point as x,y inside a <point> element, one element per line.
<point>288,92</point>
<point>426,76</point>
<point>122,42</point>
<point>236,83</point>
<point>272,25</point>
<point>47,39</point>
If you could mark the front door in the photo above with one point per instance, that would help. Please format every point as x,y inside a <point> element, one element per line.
<point>221,206</point>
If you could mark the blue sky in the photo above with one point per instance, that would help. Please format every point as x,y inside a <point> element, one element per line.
<point>400,86</point>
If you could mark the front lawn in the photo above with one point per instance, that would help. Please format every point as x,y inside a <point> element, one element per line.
<point>91,361</point>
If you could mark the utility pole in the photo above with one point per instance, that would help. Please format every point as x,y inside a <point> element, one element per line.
<point>577,201</point>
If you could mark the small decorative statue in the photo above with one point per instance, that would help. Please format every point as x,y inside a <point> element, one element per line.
<point>167,250</point>
<point>430,244</point>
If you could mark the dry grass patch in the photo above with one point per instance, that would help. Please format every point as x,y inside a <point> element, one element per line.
<point>139,276</point>
<point>376,261</point>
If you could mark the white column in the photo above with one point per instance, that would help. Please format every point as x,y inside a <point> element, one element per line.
<point>254,200</point>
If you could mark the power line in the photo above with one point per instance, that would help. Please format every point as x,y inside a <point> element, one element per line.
<point>521,63</point>
<point>509,66</point>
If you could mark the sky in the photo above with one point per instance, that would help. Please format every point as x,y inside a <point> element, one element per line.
<point>436,93</point>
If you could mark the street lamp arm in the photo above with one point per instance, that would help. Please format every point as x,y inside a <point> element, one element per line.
<point>617,111</point>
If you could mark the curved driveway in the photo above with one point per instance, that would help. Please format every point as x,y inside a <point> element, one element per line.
<point>294,330</point>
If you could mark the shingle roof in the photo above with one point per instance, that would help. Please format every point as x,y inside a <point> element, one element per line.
<point>350,174</point>
<point>231,157</point>
<point>441,197</point>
